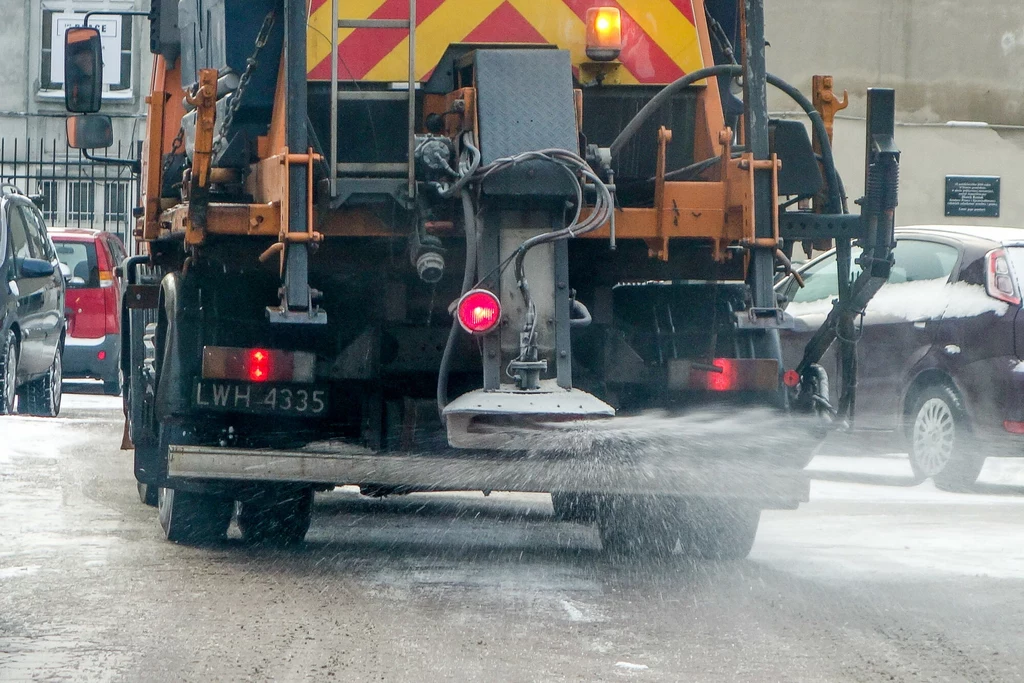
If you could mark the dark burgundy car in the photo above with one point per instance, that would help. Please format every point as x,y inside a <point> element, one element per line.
<point>941,352</point>
<point>94,304</point>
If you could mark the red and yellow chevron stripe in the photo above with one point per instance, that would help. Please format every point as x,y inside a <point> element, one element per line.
<point>660,37</point>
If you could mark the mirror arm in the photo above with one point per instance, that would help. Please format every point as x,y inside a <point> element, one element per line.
<point>133,164</point>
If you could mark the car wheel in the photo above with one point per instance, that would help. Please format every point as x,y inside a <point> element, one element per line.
<point>112,387</point>
<point>8,375</point>
<point>41,397</point>
<point>940,440</point>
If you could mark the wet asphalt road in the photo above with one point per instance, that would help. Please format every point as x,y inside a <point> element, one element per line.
<point>877,579</point>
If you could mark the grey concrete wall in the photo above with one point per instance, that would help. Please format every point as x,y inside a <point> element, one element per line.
<point>949,61</point>
<point>14,65</point>
<point>27,112</point>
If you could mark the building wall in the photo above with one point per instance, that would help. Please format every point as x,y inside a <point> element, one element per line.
<point>26,109</point>
<point>949,61</point>
<point>33,152</point>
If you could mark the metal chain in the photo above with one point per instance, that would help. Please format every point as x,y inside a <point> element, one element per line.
<point>176,147</point>
<point>250,65</point>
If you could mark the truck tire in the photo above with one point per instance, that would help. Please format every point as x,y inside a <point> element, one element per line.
<point>940,440</point>
<point>8,374</point>
<point>574,507</point>
<point>275,516</point>
<point>41,397</point>
<point>720,531</point>
<point>193,518</point>
<point>631,526</point>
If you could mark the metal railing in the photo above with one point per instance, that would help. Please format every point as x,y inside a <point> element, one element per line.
<point>73,191</point>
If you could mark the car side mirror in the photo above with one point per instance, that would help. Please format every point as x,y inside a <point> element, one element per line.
<point>83,70</point>
<point>90,132</point>
<point>65,272</point>
<point>36,267</point>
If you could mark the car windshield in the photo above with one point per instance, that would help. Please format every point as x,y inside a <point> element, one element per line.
<point>821,279</point>
<point>80,258</point>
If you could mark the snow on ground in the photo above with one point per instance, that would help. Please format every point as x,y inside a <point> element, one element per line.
<point>44,437</point>
<point>869,518</point>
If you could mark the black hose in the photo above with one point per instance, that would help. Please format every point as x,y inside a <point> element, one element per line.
<point>666,93</point>
<point>469,218</point>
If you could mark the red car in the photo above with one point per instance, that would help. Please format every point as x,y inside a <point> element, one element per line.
<point>93,304</point>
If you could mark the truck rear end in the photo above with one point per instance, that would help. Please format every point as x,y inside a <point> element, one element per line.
<point>457,245</point>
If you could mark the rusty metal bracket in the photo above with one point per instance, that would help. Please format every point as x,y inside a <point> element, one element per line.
<point>285,237</point>
<point>827,104</point>
<point>204,99</point>
<point>659,249</point>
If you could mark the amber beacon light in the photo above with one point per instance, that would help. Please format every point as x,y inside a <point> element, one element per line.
<point>604,33</point>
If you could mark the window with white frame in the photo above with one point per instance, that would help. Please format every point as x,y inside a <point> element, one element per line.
<point>56,16</point>
<point>115,202</point>
<point>81,200</point>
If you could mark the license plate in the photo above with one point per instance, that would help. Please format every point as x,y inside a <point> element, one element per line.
<point>299,400</point>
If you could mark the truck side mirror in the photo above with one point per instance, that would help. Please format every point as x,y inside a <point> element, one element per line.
<point>83,70</point>
<point>90,132</point>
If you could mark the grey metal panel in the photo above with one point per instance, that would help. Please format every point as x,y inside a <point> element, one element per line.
<point>525,103</point>
<point>679,475</point>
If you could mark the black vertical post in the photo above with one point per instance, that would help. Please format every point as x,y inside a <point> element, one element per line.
<point>297,260</point>
<point>755,96</point>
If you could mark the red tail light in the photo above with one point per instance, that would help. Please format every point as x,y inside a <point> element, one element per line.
<point>106,279</point>
<point>1013,426</point>
<point>258,365</point>
<point>791,378</point>
<point>999,280</point>
<point>479,311</point>
<point>728,374</point>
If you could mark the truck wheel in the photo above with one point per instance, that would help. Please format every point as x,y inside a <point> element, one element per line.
<point>632,526</point>
<point>574,507</point>
<point>275,516</point>
<point>8,374</point>
<point>720,532</point>
<point>940,445</point>
<point>193,518</point>
<point>41,397</point>
<point>148,495</point>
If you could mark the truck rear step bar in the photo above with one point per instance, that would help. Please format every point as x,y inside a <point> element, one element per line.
<point>765,485</point>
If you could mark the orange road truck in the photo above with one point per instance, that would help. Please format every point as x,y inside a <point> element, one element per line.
<point>434,245</point>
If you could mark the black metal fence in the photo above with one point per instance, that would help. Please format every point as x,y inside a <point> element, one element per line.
<point>75,192</point>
